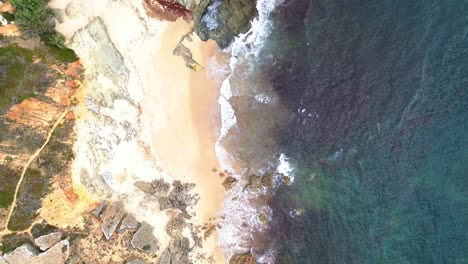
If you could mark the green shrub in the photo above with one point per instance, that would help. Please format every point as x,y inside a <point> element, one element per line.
<point>8,16</point>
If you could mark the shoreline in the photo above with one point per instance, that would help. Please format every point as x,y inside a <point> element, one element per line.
<point>185,144</point>
<point>172,108</point>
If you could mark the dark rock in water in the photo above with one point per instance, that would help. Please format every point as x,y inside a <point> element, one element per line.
<point>229,182</point>
<point>246,258</point>
<point>267,180</point>
<point>176,252</point>
<point>144,239</point>
<point>129,222</point>
<point>221,20</point>
<point>179,198</point>
<point>111,218</point>
<point>255,182</point>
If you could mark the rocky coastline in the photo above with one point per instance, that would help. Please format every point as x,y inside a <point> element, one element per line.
<point>46,125</point>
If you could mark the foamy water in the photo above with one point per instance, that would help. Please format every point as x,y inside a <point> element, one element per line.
<point>241,210</point>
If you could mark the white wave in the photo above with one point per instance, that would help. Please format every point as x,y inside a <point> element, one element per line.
<point>241,216</point>
<point>285,167</point>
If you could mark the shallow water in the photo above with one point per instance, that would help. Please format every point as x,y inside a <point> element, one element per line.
<point>370,103</point>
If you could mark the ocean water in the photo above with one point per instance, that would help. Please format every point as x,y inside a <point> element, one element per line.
<point>368,100</point>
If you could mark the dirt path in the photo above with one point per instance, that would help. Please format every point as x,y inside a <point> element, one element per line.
<point>31,159</point>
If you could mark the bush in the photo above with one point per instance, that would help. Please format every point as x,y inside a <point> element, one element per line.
<point>36,19</point>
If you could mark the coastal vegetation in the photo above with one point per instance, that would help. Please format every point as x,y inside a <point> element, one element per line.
<point>36,19</point>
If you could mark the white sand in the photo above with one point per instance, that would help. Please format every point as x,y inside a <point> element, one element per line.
<point>173,110</point>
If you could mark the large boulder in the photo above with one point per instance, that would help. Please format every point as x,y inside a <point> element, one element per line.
<point>222,20</point>
<point>144,239</point>
<point>22,254</point>
<point>246,258</point>
<point>176,252</point>
<point>57,254</point>
<point>111,218</point>
<point>128,223</point>
<point>47,241</point>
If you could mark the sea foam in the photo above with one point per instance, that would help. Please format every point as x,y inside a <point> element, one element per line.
<point>241,213</point>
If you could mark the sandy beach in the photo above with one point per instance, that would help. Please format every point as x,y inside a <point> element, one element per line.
<point>172,109</point>
<point>185,138</point>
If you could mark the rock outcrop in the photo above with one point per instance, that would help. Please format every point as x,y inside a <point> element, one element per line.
<point>47,241</point>
<point>111,218</point>
<point>128,223</point>
<point>26,253</point>
<point>179,198</point>
<point>246,258</point>
<point>144,239</point>
<point>221,20</point>
<point>176,252</point>
<point>22,254</point>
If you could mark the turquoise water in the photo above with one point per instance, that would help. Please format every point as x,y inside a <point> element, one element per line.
<point>377,96</point>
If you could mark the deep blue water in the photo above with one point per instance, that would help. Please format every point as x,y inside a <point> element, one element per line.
<point>377,98</point>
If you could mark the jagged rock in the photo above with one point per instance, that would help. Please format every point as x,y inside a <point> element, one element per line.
<point>136,261</point>
<point>268,180</point>
<point>160,187</point>
<point>145,187</point>
<point>22,254</point>
<point>179,198</point>
<point>144,239</point>
<point>111,218</point>
<point>129,222</point>
<point>222,20</point>
<point>176,252</point>
<point>229,182</point>
<point>100,209</point>
<point>255,182</point>
<point>175,225</point>
<point>246,258</point>
<point>46,241</point>
<point>184,52</point>
<point>57,254</point>
<point>2,261</point>
<point>156,187</point>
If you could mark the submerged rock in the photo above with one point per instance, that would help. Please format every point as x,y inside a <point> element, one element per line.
<point>144,239</point>
<point>246,258</point>
<point>47,241</point>
<point>222,20</point>
<point>229,182</point>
